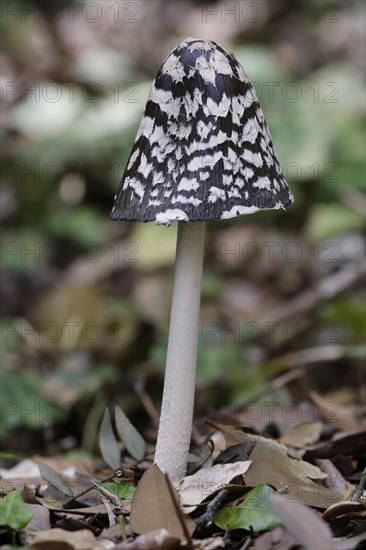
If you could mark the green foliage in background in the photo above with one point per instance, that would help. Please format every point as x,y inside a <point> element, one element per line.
<point>63,162</point>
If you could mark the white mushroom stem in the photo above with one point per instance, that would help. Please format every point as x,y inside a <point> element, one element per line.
<point>175,425</point>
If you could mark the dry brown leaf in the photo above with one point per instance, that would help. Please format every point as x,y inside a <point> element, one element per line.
<point>196,488</point>
<point>27,486</point>
<point>297,519</point>
<point>152,506</point>
<point>39,522</point>
<point>346,444</point>
<point>156,540</point>
<point>341,508</point>
<point>341,416</point>
<point>59,539</point>
<point>302,435</point>
<point>272,465</point>
<point>275,539</point>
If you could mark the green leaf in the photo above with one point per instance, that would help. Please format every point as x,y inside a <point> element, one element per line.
<point>131,438</point>
<point>255,512</point>
<point>107,442</point>
<point>122,490</point>
<point>13,512</point>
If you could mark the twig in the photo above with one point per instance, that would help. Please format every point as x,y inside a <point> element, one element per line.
<point>315,354</point>
<point>324,291</point>
<point>87,490</point>
<point>116,501</point>
<point>295,361</point>
<point>272,386</point>
<point>110,514</point>
<point>147,403</point>
<point>76,512</point>
<point>247,543</point>
<point>206,519</point>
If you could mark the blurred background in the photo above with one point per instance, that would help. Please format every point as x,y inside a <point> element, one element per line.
<point>85,301</point>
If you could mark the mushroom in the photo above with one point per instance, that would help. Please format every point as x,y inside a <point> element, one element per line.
<point>202,152</point>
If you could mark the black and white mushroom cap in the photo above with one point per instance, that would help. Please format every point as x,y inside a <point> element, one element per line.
<point>203,150</point>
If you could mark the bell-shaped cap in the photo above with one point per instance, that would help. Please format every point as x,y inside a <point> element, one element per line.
<point>203,150</point>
